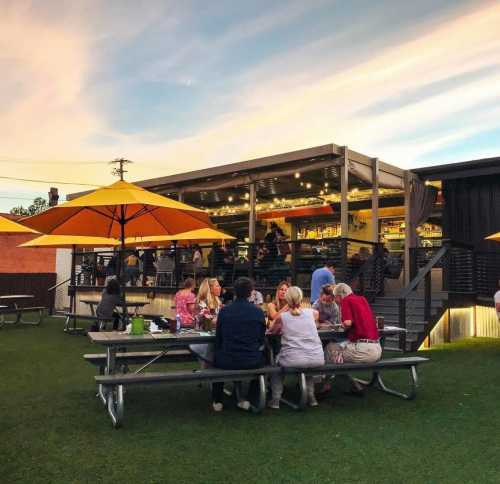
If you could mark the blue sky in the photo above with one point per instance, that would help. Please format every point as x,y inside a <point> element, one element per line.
<point>177,86</point>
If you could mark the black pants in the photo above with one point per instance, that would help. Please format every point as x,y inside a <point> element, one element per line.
<point>253,389</point>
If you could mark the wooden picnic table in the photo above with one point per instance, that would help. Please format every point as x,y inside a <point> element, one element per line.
<point>165,341</point>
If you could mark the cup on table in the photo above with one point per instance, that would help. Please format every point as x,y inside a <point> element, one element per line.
<point>380,322</point>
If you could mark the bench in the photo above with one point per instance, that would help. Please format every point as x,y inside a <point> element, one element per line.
<point>18,312</point>
<point>137,358</point>
<point>112,394</point>
<point>87,317</point>
<point>404,363</point>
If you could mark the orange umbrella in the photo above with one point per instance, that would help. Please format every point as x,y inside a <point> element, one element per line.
<point>495,237</point>
<point>118,211</point>
<point>70,242</point>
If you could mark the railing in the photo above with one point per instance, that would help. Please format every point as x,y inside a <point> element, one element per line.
<point>356,261</point>
<point>487,273</point>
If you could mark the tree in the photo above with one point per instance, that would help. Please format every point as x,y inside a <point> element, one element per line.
<point>39,205</point>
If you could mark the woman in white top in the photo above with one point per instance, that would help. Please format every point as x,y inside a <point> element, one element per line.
<point>300,344</point>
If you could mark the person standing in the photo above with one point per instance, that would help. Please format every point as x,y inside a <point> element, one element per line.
<point>496,298</point>
<point>320,277</point>
<point>239,340</point>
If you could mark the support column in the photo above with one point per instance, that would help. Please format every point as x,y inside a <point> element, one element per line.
<point>407,253</point>
<point>375,197</point>
<point>344,190</point>
<point>252,214</point>
<point>180,196</point>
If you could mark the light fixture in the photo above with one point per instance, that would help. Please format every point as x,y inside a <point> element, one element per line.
<point>326,184</point>
<point>301,184</point>
<point>247,196</point>
<point>297,174</point>
<point>246,205</point>
<point>322,192</point>
<point>308,185</point>
<point>230,198</point>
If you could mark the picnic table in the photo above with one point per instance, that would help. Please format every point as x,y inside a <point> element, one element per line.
<point>11,303</point>
<point>92,303</point>
<point>166,341</point>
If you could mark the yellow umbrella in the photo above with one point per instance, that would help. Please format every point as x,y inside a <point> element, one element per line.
<point>495,237</point>
<point>10,227</point>
<point>194,236</point>
<point>70,241</point>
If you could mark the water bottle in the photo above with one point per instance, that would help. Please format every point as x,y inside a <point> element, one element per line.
<point>178,323</point>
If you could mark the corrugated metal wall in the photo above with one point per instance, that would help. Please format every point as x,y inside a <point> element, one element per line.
<point>487,322</point>
<point>461,325</point>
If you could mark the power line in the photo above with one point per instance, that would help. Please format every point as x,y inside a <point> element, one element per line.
<point>23,161</point>
<point>49,182</point>
<point>16,198</point>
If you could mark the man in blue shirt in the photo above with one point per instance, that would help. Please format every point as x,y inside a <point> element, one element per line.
<point>320,277</point>
<point>239,339</point>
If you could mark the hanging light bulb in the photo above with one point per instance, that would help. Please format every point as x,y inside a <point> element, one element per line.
<point>308,185</point>
<point>230,198</point>
<point>297,174</point>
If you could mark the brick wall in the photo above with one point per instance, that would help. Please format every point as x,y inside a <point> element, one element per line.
<point>15,259</point>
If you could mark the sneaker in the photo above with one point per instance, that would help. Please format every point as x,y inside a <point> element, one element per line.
<point>244,405</point>
<point>311,400</point>
<point>274,404</point>
<point>217,406</point>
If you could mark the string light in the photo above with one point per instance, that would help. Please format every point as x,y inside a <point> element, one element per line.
<point>230,198</point>
<point>308,185</point>
<point>297,174</point>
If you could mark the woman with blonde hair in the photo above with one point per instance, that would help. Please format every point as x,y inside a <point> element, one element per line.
<point>279,304</point>
<point>208,306</point>
<point>300,344</point>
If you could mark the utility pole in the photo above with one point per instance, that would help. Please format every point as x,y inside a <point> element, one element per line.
<point>119,171</point>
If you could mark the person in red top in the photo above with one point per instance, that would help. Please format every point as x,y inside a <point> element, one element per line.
<point>363,345</point>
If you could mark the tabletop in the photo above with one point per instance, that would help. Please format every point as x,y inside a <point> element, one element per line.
<point>127,303</point>
<point>112,338</point>
<point>17,296</point>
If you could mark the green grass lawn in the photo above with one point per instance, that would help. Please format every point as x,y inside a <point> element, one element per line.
<point>54,430</point>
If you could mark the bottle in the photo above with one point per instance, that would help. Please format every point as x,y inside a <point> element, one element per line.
<point>177,323</point>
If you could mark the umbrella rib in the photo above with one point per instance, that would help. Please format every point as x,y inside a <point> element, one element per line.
<point>112,220</point>
<point>140,212</point>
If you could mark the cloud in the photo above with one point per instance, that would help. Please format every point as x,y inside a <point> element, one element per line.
<point>380,94</point>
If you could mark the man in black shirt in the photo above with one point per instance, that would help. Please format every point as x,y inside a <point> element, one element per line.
<point>239,340</point>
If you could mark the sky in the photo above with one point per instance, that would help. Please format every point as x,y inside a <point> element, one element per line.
<point>178,86</point>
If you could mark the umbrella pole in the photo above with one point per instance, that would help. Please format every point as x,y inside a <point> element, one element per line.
<point>72,294</point>
<point>122,264</point>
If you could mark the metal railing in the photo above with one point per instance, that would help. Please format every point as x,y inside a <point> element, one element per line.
<point>356,261</point>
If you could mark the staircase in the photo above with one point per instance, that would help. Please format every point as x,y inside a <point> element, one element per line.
<point>416,325</point>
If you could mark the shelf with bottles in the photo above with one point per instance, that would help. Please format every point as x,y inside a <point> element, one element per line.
<point>392,229</point>
<point>319,231</point>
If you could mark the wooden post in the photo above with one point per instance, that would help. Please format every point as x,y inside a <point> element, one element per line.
<point>407,194</point>
<point>252,214</point>
<point>344,190</point>
<point>375,197</point>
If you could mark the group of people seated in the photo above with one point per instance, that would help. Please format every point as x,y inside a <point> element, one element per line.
<point>242,322</point>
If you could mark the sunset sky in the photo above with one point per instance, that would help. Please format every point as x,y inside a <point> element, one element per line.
<point>177,86</point>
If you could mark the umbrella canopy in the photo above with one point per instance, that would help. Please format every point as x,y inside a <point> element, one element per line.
<point>10,227</point>
<point>192,236</point>
<point>118,211</point>
<point>495,237</point>
<point>70,241</point>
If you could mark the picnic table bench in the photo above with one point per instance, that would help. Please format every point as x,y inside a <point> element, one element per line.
<point>18,311</point>
<point>113,385</point>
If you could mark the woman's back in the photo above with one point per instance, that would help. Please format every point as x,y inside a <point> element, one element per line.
<point>300,343</point>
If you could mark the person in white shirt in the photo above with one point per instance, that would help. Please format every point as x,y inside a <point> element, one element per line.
<point>496,298</point>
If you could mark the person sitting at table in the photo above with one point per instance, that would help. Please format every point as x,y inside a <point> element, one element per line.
<point>207,309</point>
<point>363,345</point>
<point>278,305</point>
<point>239,340</point>
<point>327,308</point>
<point>110,298</point>
<point>100,271</point>
<point>256,296</point>
<point>185,303</point>
<point>300,344</point>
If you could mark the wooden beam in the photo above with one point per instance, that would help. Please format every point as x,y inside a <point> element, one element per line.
<point>407,194</point>
<point>344,190</point>
<point>252,215</point>
<point>375,197</point>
